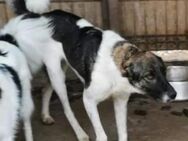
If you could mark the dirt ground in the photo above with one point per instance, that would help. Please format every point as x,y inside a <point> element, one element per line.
<point>147,121</point>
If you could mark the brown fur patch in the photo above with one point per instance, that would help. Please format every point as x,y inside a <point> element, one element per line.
<point>122,53</point>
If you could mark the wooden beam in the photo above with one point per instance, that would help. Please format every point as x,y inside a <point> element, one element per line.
<point>150,0</point>
<point>172,55</point>
<point>3,1</point>
<point>114,14</point>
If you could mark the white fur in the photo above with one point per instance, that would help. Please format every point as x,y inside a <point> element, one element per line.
<point>8,107</point>
<point>83,23</point>
<point>34,39</point>
<point>46,117</point>
<point>37,6</point>
<point>9,103</point>
<point>33,34</point>
<point>108,82</point>
<point>165,98</point>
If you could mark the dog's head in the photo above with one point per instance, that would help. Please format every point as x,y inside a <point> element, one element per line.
<point>144,70</point>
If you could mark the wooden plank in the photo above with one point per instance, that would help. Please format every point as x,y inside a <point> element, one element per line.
<point>55,6</point>
<point>93,13</point>
<point>181,15</point>
<point>98,15</point>
<point>105,14</point>
<point>79,8</point>
<point>171,17</point>
<point>59,1</point>
<point>128,18</point>
<point>68,6</point>
<point>150,18</point>
<point>114,14</point>
<point>149,0</point>
<point>140,18</point>
<point>160,17</point>
<point>76,0</point>
<point>3,17</point>
<point>10,14</point>
<point>186,18</point>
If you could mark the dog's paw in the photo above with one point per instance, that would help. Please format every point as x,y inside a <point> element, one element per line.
<point>82,136</point>
<point>47,120</point>
<point>85,138</point>
<point>102,138</point>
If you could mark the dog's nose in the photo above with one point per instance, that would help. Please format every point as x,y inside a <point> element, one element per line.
<point>172,94</point>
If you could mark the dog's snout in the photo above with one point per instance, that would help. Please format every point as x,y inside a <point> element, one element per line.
<point>172,94</point>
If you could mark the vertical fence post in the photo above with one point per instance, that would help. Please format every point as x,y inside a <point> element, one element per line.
<point>111,14</point>
<point>114,14</point>
<point>105,14</point>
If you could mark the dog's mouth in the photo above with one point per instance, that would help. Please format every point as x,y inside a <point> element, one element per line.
<point>163,99</point>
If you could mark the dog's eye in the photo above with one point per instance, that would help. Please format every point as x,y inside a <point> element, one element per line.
<point>149,76</point>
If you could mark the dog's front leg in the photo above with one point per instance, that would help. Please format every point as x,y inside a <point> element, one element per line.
<point>120,107</point>
<point>92,111</point>
<point>27,108</point>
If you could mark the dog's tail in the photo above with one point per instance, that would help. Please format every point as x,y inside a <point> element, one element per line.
<point>24,6</point>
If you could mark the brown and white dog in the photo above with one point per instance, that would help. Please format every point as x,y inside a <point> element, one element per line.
<point>105,62</point>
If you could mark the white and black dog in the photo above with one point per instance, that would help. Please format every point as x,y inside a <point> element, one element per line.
<point>105,62</point>
<point>15,92</point>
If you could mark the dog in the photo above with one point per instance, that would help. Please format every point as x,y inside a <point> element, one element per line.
<point>106,63</point>
<point>15,92</point>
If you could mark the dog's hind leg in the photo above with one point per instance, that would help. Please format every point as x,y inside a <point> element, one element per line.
<point>120,108</point>
<point>57,78</point>
<point>27,109</point>
<point>45,115</point>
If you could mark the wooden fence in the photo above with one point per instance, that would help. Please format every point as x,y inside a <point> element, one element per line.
<point>153,24</point>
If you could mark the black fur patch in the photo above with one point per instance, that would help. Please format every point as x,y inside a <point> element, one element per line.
<point>8,38</point>
<point>63,15</point>
<point>3,53</point>
<point>19,7</point>
<point>80,45</point>
<point>15,78</point>
<point>31,16</point>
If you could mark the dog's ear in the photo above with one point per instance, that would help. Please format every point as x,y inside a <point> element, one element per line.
<point>123,52</point>
<point>130,51</point>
